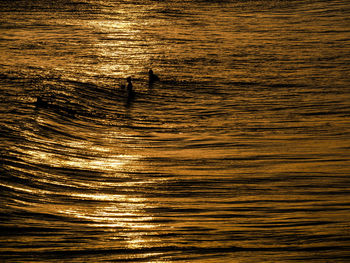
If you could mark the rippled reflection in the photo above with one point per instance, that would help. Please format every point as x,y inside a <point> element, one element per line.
<point>240,152</point>
<point>97,185</point>
<point>117,41</point>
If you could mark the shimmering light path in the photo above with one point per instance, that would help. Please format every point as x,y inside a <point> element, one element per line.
<point>239,154</point>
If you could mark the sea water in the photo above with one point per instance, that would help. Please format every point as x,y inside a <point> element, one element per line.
<point>239,154</point>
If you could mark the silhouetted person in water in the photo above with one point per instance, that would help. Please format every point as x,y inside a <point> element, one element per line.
<point>152,77</point>
<point>129,88</point>
<point>40,103</point>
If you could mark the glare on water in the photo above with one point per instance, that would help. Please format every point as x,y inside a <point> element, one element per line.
<point>239,153</point>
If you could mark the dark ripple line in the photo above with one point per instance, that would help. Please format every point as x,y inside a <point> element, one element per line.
<point>192,249</point>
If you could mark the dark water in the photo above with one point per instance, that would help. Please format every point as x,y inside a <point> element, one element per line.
<point>240,153</point>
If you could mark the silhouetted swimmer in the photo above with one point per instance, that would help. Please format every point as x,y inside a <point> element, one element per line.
<point>130,93</point>
<point>152,77</point>
<point>40,103</point>
<point>48,104</point>
<point>129,88</point>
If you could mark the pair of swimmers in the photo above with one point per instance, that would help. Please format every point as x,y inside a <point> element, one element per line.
<point>151,79</point>
<point>44,103</point>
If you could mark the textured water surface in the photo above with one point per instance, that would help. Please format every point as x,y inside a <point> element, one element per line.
<point>239,154</point>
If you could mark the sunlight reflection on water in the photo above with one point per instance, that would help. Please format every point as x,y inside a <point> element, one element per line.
<point>239,153</point>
